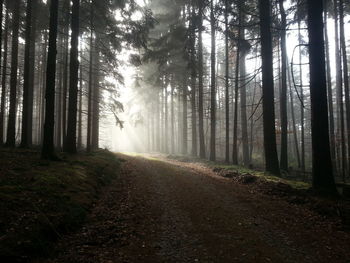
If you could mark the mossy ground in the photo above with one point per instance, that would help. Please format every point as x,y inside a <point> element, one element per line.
<point>40,200</point>
<point>295,183</point>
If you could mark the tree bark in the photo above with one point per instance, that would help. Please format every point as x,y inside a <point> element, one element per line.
<point>71,143</point>
<point>213,86</point>
<point>184,116</point>
<point>283,98</point>
<point>271,158</point>
<point>95,130</point>
<point>4,78</point>
<point>339,85</point>
<point>11,126</point>
<point>27,114</point>
<point>200,84</point>
<point>227,86</point>
<point>48,150</point>
<point>80,110</point>
<point>346,77</point>
<point>323,180</point>
<point>329,89</point>
<point>89,111</point>
<point>193,83</point>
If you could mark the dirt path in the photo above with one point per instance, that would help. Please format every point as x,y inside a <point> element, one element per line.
<point>166,211</point>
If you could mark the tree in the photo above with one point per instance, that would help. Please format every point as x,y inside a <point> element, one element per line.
<point>71,141</point>
<point>48,150</point>
<point>235,118</point>
<point>193,79</point>
<point>283,99</point>
<point>4,71</point>
<point>322,173</point>
<point>27,121</point>
<point>346,75</point>
<point>271,159</point>
<point>11,126</point>
<point>200,82</point>
<point>227,84</point>
<point>213,85</point>
<point>244,50</point>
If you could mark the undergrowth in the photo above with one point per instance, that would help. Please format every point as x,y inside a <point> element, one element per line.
<point>41,200</point>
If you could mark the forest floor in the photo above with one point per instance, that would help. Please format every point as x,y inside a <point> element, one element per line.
<point>41,200</point>
<point>165,210</point>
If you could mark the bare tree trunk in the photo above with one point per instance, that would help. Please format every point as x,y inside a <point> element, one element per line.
<point>80,110</point>
<point>95,131</point>
<point>295,130</point>
<point>323,180</point>
<point>193,83</point>
<point>346,77</point>
<point>11,126</point>
<point>166,117</point>
<point>184,116</point>
<point>213,86</point>
<point>339,81</point>
<point>27,114</point>
<point>4,77</point>
<point>235,114</point>
<point>271,158</point>
<point>200,84</point>
<point>172,112</point>
<point>71,143</point>
<point>48,149</point>
<point>89,111</point>
<point>302,111</point>
<point>243,88</point>
<point>329,89</point>
<point>283,99</point>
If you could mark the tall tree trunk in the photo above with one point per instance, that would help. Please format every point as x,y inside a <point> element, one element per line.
<point>95,129</point>
<point>11,126</point>
<point>27,114</point>
<point>32,64</point>
<point>80,110</point>
<point>346,76</point>
<point>283,99</point>
<point>48,150</point>
<point>43,88</point>
<point>172,113</point>
<point>66,32</point>
<point>235,114</point>
<point>200,84</point>
<point>89,111</point>
<point>184,116</point>
<point>213,85</point>
<point>158,121</point>
<point>166,116</point>
<point>329,88</point>
<point>271,158</point>
<point>339,81</point>
<point>193,83</point>
<point>295,130</point>
<point>4,77</point>
<point>243,88</point>
<point>71,143</point>
<point>59,98</point>
<point>227,86</point>
<point>302,111</point>
<point>323,180</point>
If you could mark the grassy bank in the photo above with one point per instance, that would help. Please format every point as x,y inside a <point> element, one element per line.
<point>228,169</point>
<point>40,200</point>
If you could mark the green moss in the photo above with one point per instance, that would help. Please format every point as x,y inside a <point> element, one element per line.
<point>40,200</point>
<point>242,170</point>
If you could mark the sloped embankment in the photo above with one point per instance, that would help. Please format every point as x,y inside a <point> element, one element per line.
<point>41,200</point>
